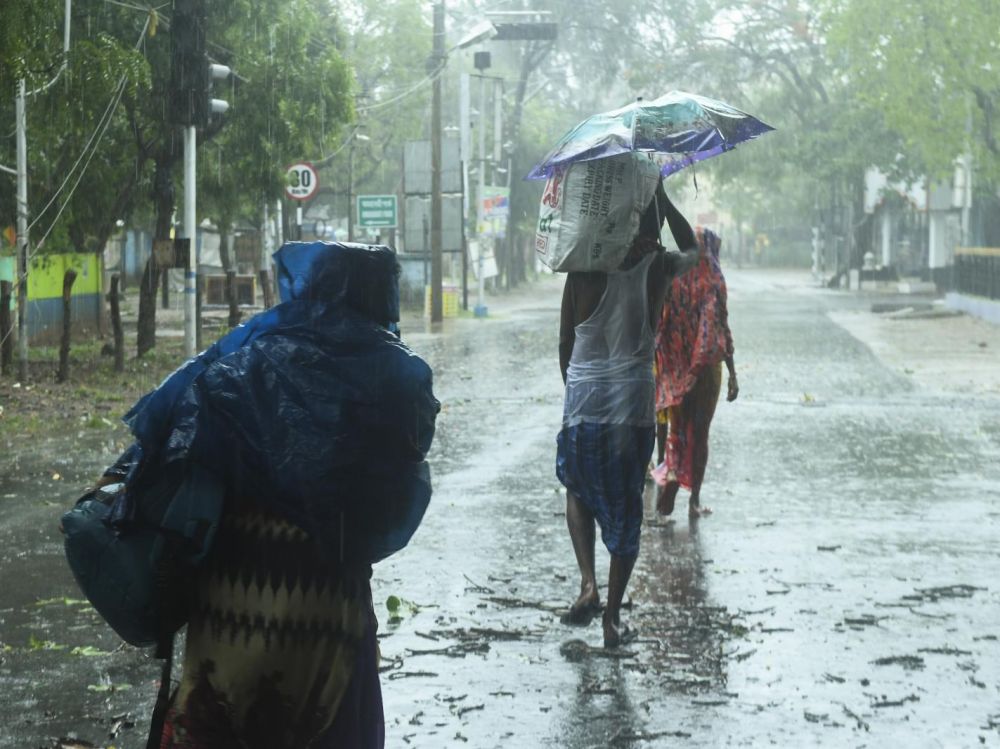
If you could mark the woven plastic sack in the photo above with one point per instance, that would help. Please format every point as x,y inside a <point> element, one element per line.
<point>590,211</point>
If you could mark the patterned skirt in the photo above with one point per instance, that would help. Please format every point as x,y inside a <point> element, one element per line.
<point>280,648</point>
<point>604,465</point>
<point>689,422</point>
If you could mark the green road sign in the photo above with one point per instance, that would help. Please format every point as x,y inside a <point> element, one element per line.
<point>377,211</point>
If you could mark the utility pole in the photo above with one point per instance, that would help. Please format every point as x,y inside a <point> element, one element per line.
<point>464,150</point>
<point>21,129</point>
<point>191,232</point>
<point>350,190</point>
<point>497,154</point>
<point>482,62</point>
<point>22,235</point>
<point>437,63</point>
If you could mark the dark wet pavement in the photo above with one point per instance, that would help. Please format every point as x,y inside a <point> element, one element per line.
<point>844,593</point>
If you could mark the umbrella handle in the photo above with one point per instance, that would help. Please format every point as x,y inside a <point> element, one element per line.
<point>659,221</point>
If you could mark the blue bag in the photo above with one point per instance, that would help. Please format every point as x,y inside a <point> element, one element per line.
<point>137,573</point>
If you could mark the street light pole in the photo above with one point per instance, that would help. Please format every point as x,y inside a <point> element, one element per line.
<point>437,63</point>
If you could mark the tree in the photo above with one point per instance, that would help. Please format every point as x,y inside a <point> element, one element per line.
<point>24,48</point>
<point>933,68</point>
<point>773,59</point>
<point>71,117</point>
<point>294,86</point>
<point>387,45</point>
<point>290,98</point>
<point>75,192</point>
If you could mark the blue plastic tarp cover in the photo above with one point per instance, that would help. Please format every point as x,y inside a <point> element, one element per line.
<point>313,409</point>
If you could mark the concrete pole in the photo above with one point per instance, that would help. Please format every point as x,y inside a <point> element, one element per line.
<point>21,128</point>
<point>480,218</point>
<point>279,222</point>
<point>67,10</point>
<point>464,105</point>
<point>465,146</point>
<point>191,230</point>
<point>497,122</point>
<point>438,57</point>
<point>267,241</point>
<point>350,191</point>
<point>22,235</point>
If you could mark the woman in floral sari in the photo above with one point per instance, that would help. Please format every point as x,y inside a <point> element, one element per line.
<point>692,341</point>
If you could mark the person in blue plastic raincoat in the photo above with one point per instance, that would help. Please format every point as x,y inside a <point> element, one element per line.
<point>317,418</point>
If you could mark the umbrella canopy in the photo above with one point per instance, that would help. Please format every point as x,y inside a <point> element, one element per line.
<point>680,127</point>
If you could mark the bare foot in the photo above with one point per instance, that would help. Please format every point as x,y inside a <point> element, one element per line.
<point>615,634</point>
<point>667,494</point>
<point>584,609</point>
<point>695,510</point>
<point>612,637</point>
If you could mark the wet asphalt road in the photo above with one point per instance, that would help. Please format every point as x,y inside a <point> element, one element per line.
<point>844,593</point>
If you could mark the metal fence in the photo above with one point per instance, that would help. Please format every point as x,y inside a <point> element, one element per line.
<point>977,271</point>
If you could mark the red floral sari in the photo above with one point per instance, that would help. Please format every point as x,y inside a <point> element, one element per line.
<point>692,339</point>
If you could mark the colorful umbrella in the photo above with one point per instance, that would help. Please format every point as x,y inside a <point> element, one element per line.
<point>681,128</point>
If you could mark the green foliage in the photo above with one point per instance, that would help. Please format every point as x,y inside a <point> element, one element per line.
<point>387,44</point>
<point>27,43</point>
<point>288,101</point>
<point>76,129</point>
<point>932,68</point>
<point>94,133</point>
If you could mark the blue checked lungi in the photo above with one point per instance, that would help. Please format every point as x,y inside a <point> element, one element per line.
<point>605,466</point>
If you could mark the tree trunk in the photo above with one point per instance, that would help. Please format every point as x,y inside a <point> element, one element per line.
<point>146,325</point>
<point>225,252</point>
<point>165,289</point>
<point>265,287</point>
<point>234,308</point>
<point>163,199</point>
<point>6,328</point>
<point>116,325</point>
<point>286,223</point>
<point>67,326</point>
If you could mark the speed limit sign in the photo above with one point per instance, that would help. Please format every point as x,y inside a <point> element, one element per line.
<point>302,182</point>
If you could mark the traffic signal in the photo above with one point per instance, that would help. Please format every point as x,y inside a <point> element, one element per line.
<point>188,63</point>
<point>216,72</point>
<point>191,74</point>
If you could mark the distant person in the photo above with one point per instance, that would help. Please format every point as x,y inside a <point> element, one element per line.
<point>692,341</point>
<point>606,356</point>
<point>761,242</point>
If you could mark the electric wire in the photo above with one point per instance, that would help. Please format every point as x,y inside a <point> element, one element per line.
<point>102,127</point>
<point>430,78</point>
<point>99,133</point>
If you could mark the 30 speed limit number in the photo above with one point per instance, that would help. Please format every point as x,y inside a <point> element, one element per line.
<point>301,182</point>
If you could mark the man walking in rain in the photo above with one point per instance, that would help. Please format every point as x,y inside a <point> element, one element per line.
<point>606,333</point>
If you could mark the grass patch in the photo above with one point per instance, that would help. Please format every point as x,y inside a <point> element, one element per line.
<point>22,424</point>
<point>94,398</point>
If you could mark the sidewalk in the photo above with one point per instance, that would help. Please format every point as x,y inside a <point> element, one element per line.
<point>939,351</point>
